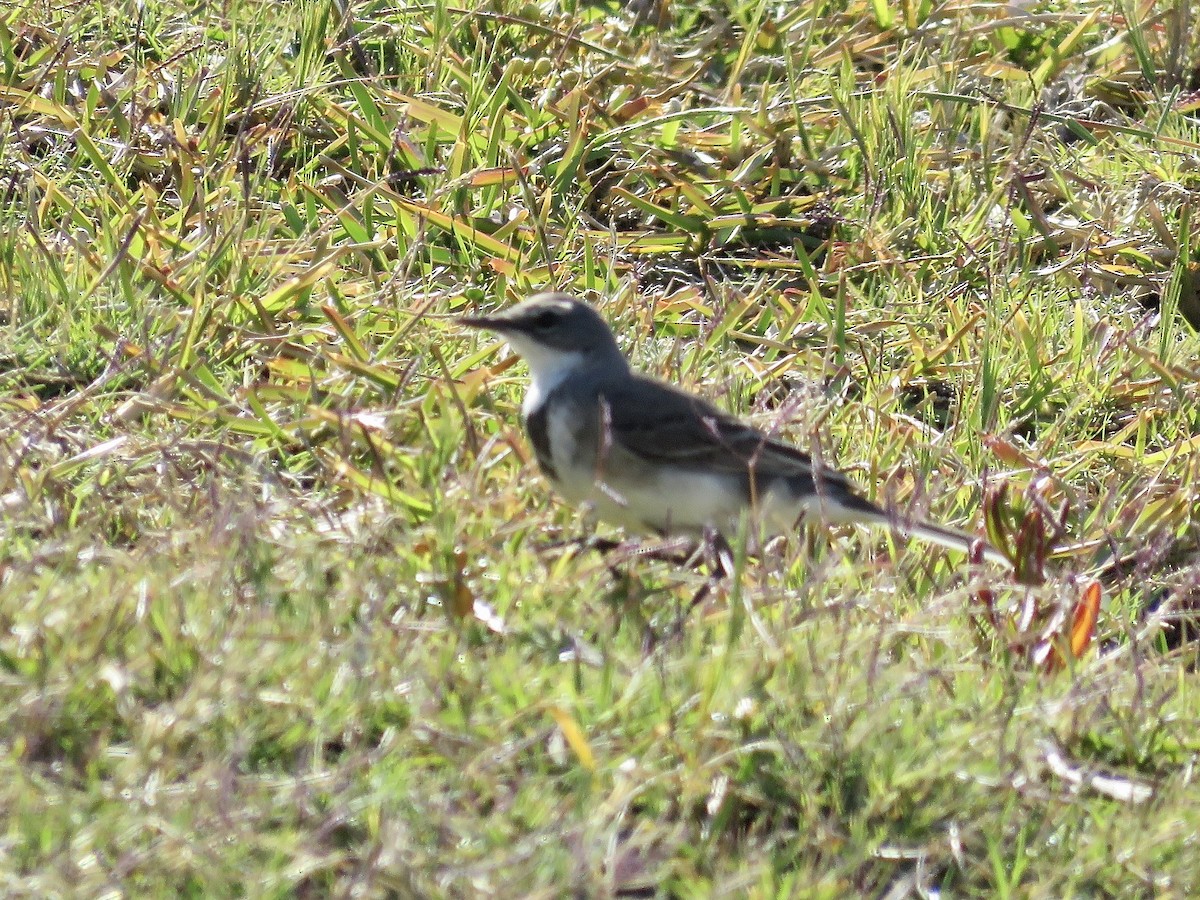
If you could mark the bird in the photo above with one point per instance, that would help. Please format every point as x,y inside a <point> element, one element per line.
<point>651,457</point>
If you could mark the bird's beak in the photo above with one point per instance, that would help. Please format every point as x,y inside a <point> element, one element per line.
<point>492,323</point>
<point>501,324</point>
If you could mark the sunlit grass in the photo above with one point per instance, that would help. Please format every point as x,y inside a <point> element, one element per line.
<point>284,607</point>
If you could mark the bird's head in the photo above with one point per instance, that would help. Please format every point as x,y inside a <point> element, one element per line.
<point>552,332</point>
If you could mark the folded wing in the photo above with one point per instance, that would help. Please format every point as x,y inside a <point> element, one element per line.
<point>687,431</point>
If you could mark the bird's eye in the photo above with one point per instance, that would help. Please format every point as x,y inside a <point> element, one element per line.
<point>544,320</point>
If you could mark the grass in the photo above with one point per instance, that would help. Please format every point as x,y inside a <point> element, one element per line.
<point>285,611</point>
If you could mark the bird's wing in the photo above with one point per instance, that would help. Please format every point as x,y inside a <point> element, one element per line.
<point>660,423</point>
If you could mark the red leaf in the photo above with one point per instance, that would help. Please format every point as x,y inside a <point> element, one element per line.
<point>1083,626</point>
<point>1083,623</point>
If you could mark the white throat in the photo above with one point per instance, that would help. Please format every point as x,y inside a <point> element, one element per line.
<point>547,368</point>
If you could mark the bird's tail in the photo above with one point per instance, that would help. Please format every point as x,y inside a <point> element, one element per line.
<point>952,538</point>
<point>851,508</point>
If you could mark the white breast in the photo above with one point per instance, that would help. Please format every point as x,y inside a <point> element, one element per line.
<point>630,492</point>
<point>678,501</point>
<point>547,369</point>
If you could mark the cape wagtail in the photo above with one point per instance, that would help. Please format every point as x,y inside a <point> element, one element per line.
<point>651,457</point>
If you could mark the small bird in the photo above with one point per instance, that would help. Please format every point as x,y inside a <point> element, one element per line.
<point>651,457</point>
